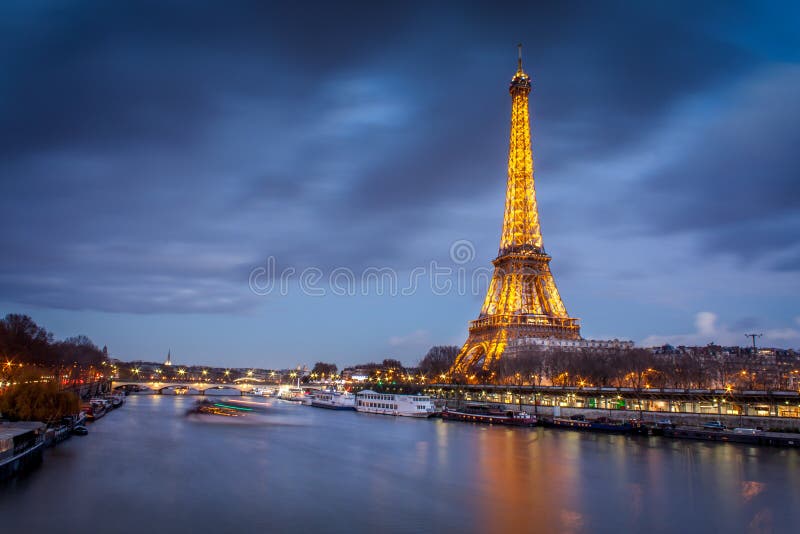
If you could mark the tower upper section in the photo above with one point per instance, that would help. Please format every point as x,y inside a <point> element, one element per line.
<point>521,232</point>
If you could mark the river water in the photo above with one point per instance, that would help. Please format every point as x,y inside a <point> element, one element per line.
<point>147,468</point>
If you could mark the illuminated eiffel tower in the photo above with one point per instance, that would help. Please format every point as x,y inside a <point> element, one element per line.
<point>522,301</point>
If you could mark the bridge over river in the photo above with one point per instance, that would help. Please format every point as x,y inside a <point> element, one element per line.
<point>186,387</point>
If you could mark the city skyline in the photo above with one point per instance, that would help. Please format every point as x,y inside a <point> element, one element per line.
<point>155,162</point>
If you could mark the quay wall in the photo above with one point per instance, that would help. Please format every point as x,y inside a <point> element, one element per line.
<point>92,389</point>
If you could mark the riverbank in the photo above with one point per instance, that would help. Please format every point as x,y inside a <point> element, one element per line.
<point>767,431</point>
<point>768,424</point>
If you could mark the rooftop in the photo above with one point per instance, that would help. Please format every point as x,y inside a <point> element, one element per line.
<point>11,430</point>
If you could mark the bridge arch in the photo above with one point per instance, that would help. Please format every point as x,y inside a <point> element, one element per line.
<point>195,388</point>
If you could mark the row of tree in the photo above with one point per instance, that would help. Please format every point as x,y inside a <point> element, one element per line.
<point>324,369</point>
<point>24,341</point>
<point>634,368</point>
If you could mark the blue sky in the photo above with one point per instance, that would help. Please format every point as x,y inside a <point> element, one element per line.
<point>155,155</point>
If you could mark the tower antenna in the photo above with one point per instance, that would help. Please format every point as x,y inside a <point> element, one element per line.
<point>519,57</point>
<point>753,337</point>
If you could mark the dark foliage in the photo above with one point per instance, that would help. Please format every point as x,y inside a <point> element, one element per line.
<point>438,360</point>
<point>322,368</point>
<point>22,340</point>
<point>37,402</point>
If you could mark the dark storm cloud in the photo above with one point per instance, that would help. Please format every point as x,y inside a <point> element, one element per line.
<point>607,74</point>
<point>736,184</point>
<point>153,153</point>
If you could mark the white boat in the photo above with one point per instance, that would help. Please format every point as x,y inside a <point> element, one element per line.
<point>333,400</point>
<point>369,401</point>
<point>293,394</point>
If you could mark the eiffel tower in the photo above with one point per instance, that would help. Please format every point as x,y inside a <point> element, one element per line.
<point>522,301</point>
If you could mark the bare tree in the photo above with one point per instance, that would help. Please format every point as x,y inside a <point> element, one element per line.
<point>438,360</point>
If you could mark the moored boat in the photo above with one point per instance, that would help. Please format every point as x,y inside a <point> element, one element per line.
<point>596,425</point>
<point>56,434</point>
<point>74,419</point>
<point>116,400</point>
<point>293,395</point>
<point>369,401</point>
<point>96,409</point>
<point>21,447</point>
<point>333,400</point>
<point>491,414</point>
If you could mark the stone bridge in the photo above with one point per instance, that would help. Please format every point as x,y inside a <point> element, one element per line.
<point>185,387</point>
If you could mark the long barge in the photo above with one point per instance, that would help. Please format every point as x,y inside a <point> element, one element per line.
<point>21,446</point>
<point>484,413</point>
<point>597,425</point>
<point>775,439</point>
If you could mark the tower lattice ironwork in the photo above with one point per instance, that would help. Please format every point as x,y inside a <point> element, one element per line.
<point>522,300</point>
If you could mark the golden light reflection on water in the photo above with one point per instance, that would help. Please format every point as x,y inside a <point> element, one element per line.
<point>544,481</point>
<point>762,523</point>
<point>522,490</point>
<point>751,488</point>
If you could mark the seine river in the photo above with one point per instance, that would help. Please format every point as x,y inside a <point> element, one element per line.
<point>147,468</point>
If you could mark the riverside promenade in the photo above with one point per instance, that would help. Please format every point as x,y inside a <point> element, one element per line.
<point>778,410</point>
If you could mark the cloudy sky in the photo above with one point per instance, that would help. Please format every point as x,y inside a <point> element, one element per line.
<point>223,179</point>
